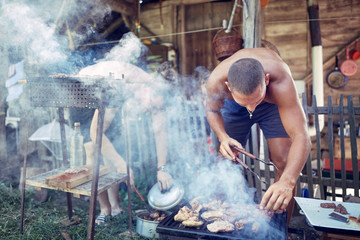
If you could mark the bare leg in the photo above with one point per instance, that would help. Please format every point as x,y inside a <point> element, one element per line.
<point>114,200</point>
<point>89,152</point>
<point>104,197</point>
<point>105,207</point>
<point>279,149</point>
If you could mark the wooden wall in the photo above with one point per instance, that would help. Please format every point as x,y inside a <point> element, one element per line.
<point>191,28</point>
<point>285,25</point>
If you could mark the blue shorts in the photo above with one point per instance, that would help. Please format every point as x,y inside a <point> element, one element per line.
<point>238,123</point>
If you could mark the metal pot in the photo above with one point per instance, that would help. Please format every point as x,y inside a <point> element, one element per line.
<point>147,228</point>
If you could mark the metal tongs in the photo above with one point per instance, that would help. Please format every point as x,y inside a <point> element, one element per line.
<point>253,156</point>
<point>238,160</point>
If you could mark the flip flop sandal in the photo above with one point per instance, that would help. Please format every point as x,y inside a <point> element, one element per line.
<point>100,221</point>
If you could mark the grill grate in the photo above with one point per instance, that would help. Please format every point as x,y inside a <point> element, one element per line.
<point>64,92</point>
<point>77,92</point>
<point>169,229</point>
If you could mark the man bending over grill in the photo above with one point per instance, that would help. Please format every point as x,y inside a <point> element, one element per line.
<point>255,85</point>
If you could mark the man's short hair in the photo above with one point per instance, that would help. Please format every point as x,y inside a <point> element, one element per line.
<point>245,75</point>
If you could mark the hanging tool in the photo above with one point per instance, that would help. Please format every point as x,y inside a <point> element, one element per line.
<point>236,4</point>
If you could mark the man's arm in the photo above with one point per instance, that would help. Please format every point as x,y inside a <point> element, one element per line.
<point>294,121</point>
<point>216,92</point>
<point>159,123</point>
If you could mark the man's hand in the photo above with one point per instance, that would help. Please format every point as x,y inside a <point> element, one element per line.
<point>165,180</point>
<point>277,197</point>
<point>225,148</point>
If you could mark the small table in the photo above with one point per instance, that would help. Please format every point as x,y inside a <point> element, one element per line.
<point>105,182</point>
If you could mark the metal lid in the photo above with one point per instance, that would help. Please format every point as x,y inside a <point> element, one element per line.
<point>165,200</point>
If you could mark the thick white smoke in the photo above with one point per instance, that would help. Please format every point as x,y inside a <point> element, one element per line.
<point>24,27</point>
<point>32,25</point>
<point>130,49</point>
<point>35,27</point>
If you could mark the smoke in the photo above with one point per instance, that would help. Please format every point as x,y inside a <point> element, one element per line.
<point>37,27</point>
<point>25,27</point>
<point>223,180</point>
<point>34,26</point>
<point>130,49</point>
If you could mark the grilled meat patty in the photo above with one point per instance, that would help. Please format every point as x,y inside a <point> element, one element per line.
<point>220,226</point>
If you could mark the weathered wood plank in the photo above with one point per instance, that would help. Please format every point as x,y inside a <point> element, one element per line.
<point>334,109</point>
<point>105,182</point>
<point>292,29</point>
<point>327,181</point>
<point>331,144</point>
<point>318,147</point>
<point>278,10</point>
<point>152,19</point>
<point>343,173</point>
<point>354,152</point>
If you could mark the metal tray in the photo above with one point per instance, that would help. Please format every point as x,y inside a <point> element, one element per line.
<point>320,220</point>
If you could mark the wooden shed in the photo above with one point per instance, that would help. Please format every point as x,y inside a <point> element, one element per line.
<point>185,34</point>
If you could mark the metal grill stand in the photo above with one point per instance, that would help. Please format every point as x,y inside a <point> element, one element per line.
<point>66,92</point>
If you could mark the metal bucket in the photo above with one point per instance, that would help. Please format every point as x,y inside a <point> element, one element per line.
<point>146,228</point>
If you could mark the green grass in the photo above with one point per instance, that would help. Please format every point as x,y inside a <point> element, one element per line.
<point>42,220</point>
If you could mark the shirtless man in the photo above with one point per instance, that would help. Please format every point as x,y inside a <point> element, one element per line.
<point>255,86</point>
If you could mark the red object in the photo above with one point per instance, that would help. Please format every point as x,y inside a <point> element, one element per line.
<point>263,3</point>
<point>355,54</point>
<point>337,165</point>
<point>139,194</point>
<point>211,149</point>
<point>349,66</point>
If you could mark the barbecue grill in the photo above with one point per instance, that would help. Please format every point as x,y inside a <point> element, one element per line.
<point>76,92</point>
<point>169,229</point>
<point>64,91</point>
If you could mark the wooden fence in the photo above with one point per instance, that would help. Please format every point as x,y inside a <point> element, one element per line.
<point>338,178</point>
<point>331,178</point>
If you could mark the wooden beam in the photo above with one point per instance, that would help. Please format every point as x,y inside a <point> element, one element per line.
<point>182,40</point>
<point>175,3</point>
<point>143,26</point>
<point>122,6</point>
<point>186,2</point>
<point>111,28</point>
